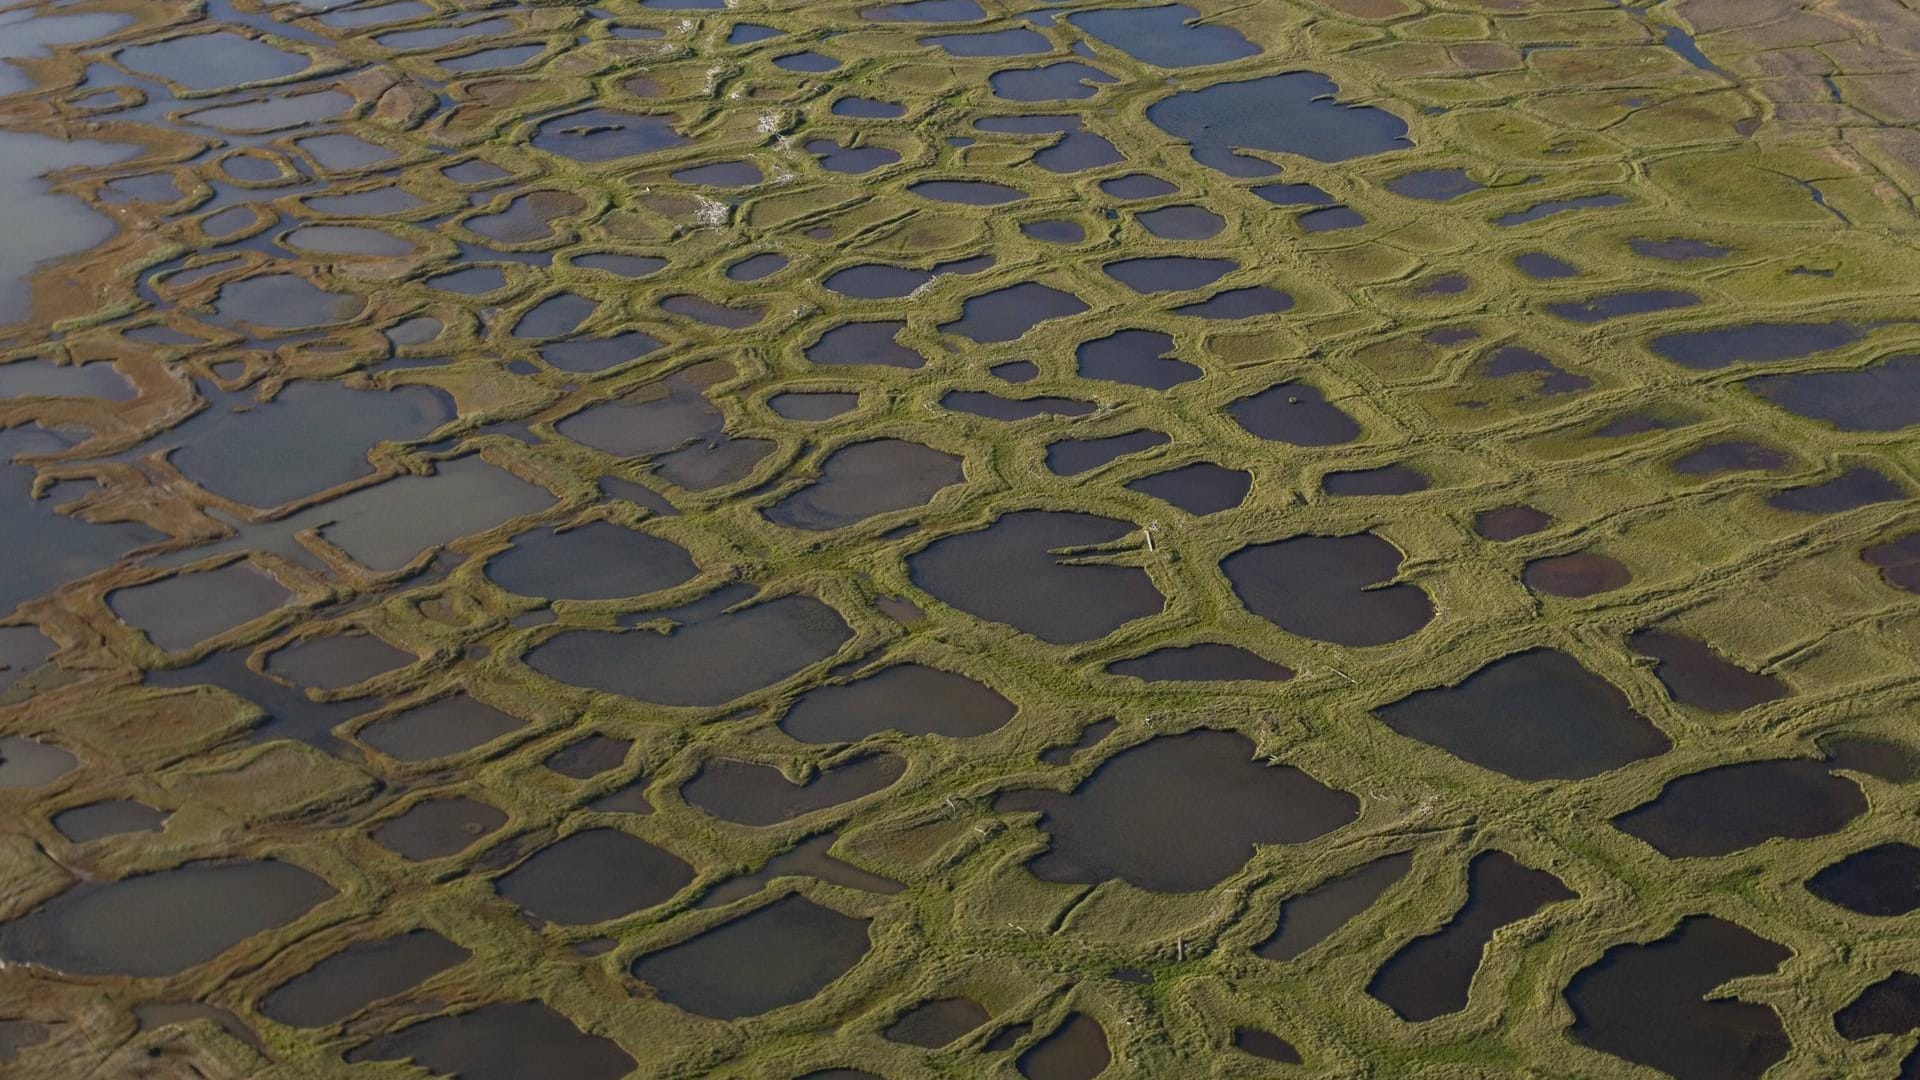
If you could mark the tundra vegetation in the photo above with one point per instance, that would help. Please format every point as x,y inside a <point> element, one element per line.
<point>959,538</point>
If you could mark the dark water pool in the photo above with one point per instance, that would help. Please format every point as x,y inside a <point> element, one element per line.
<point>1076,1050</point>
<point>1205,662</point>
<point>1696,675</point>
<point>749,793</point>
<point>1648,1003</point>
<point>592,876</point>
<point>1114,825</point>
<point>1431,976</point>
<point>1008,573</point>
<point>359,975</point>
<point>865,479</point>
<point>1330,588</point>
<point>1733,807</point>
<point>910,698</point>
<point>933,1024</point>
<point>1200,489</point>
<point>1297,413</point>
<point>521,1040</point>
<point>437,828</point>
<point>710,657</point>
<point>1310,918</point>
<point>780,954</point>
<point>1295,113</point>
<point>1534,715</point>
<point>162,923</point>
<point>1172,36</point>
<point>1882,881</point>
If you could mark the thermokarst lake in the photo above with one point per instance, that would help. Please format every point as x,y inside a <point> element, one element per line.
<point>1047,539</point>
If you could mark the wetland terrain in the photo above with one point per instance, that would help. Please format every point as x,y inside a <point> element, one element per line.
<point>764,539</point>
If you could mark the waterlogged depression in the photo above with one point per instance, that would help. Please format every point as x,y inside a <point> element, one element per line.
<point>958,538</point>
